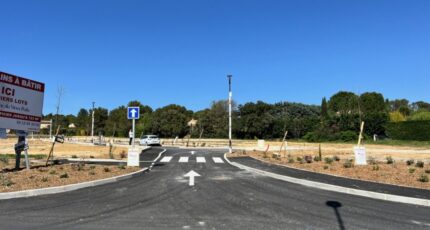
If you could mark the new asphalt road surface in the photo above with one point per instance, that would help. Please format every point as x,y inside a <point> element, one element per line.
<point>223,197</point>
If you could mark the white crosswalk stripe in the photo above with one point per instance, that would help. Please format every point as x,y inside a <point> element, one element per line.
<point>218,160</point>
<point>201,160</point>
<point>183,160</point>
<point>166,159</point>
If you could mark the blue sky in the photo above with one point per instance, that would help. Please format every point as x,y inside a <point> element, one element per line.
<point>162,52</point>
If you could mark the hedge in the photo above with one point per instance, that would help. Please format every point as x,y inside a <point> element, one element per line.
<point>408,130</point>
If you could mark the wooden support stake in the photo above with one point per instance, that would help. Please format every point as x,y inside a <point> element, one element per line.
<point>360,137</point>
<point>51,152</point>
<point>283,142</point>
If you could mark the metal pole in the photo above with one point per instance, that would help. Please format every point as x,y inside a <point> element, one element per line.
<point>92,124</point>
<point>134,134</point>
<point>230,96</point>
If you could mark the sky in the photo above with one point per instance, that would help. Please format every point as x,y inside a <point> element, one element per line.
<point>180,51</point>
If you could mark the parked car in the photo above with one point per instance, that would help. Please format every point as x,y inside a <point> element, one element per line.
<point>150,140</point>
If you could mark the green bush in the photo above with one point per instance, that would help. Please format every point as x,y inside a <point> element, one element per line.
<point>4,159</point>
<point>423,178</point>
<point>427,171</point>
<point>92,173</point>
<point>317,158</point>
<point>328,160</point>
<point>410,162</point>
<point>92,167</point>
<point>290,160</point>
<point>372,161</point>
<point>52,172</point>
<point>336,158</point>
<point>390,160</point>
<point>299,159</point>
<point>106,169</point>
<point>64,175</point>
<point>411,170</point>
<point>121,167</point>
<point>74,156</point>
<point>4,181</point>
<point>375,167</point>
<point>409,130</point>
<point>348,164</point>
<point>325,167</point>
<point>419,164</point>
<point>44,179</point>
<point>347,136</point>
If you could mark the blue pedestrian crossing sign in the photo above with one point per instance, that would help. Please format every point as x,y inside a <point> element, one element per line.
<point>133,113</point>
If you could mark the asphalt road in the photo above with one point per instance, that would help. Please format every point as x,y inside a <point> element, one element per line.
<point>224,197</point>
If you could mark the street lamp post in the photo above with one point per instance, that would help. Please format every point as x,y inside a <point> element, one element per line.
<point>92,124</point>
<point>230,96</point>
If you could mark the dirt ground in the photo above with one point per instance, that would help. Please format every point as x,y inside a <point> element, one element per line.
<point>63,150</point>
<point>398,173</point>
<point>57,175</point>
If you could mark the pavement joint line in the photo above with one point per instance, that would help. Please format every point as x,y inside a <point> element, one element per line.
<point>335,188</point>
<point>66,188</point>
<point>156,159</point>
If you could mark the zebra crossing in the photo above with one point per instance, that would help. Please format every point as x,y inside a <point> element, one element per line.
<point>201,160</point>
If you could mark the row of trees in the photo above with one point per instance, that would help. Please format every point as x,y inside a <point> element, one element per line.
<point>338,118</point>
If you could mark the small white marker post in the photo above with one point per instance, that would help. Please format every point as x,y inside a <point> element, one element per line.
<point>359,151</point>
<point>191,174</point>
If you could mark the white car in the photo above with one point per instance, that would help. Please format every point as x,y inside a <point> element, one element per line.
<point>150,140</point>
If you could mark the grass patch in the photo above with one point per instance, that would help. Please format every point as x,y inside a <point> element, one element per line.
<point>4,181</point>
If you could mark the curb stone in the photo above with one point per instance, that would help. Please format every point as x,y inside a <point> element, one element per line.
<point>335,188</point>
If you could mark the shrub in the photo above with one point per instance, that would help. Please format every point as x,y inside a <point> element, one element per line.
<point>290,160</point>
<point>409,130</point>
<point>74,156</point>
<point>92,157</point>
<point>122,154</point>
<point>347,136</point>
<point>64,175</point>
<point>4,159</point>
<point>336,158</point>
<point>390,160</point>
<point>52,172</point>
<point>106,169</point>
<point>325,167</point>
<point>427,171</point>
<point>44,179</point>
<point>410,162</point>
<point>328,160</point>
<point>121,167</point>
<point>411,170</point>
<point>375,167</point>
<point>317,158</point>
<point>347,164</point>
<point>92,173</point>
<point>92,167</point>
<point>371,161</point>
<point>5,181</point>
<point>299,159</point>
<point>308,159</point>
<point>419,164</point>
<point>423,178</point>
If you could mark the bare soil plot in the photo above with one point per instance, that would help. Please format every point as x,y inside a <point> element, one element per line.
<point>398,173</point>
<point>63,150</point>
<point>57,175</point>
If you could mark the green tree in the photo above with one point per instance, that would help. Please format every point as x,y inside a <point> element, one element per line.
<point>82,122</point>
<point>171,121</point>
<point>324,109</point>
<point>343,103</point>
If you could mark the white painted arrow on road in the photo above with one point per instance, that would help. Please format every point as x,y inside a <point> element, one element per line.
<point>192,152</point>
<point>191,174</point>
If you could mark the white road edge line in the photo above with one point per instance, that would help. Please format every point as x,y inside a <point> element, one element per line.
<point>335,188</point>
<point>156,159</point>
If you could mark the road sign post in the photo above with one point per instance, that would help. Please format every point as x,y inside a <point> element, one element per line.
<point>133,113</point>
